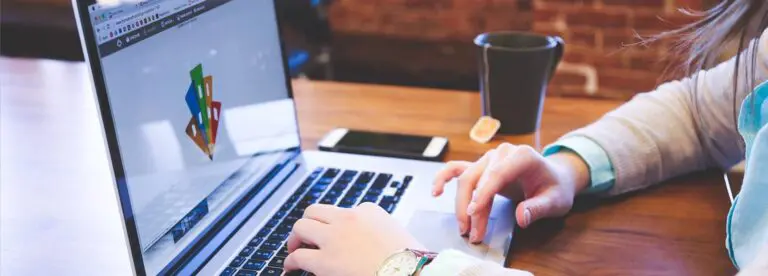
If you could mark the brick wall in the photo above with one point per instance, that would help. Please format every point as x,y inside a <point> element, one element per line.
<point>599,60</point>
<point>438,33</point>
<point>433,20</point>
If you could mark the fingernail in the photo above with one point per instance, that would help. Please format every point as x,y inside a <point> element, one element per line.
<point>462,228</point>
<point>527,217</point>
<point>471,208</point>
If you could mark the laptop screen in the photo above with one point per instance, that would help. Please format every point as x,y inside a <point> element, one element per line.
<point>199,102</point>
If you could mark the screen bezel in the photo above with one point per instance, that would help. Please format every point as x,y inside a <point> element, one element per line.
<point>91,55</point>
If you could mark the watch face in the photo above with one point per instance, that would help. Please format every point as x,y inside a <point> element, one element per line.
<point>400,264</point>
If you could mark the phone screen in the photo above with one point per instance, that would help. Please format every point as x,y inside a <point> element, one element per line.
<point>372,141</point>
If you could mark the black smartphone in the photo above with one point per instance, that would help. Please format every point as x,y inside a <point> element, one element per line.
<point>385,144</point>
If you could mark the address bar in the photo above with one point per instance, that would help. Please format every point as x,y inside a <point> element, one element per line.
<point>161,7</point>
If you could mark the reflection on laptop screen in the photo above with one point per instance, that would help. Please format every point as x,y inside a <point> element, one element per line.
<point>200,105</point>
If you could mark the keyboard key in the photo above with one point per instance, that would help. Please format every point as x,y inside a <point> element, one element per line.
<point>283,251</point>
<point>395,184</point>
<point>295,273</point>
<point>302,189</point>
<point>317,171</point>
<point>334,193</point>
<point>358,186</point>
<point>272,271</point>
<point>228,271</point>
<point>280,214</point>
<point>331,173</point>
<point>246,273</point>
<point>293,218</point>
<point>284,227</point>
<point>247,251</point>
<point>287,206</point>
<point>300,209</point>
<point>329,200</point>
<point>272,223</point>
<point>373,191</point>
<point>322,182</point>
<point>347,202</point>
<point>262,255</point>
<point>295,214</point>
<point>388,203</point>
<point>255,242</point>
<point>293,198</point>
<point>370,198</point>
<point>312,195</point>
<point>381,181</point>
<point>406,182</point>
<point>365,177</point>
<point>349,174</point>
<point>253,265</point>
<point>263,232</point>
<point>277,262</point>
<point>290,220</point>
<point>354,193</point>
<point>278,237</point>
<point>270,246</point>
<point>237,261</point>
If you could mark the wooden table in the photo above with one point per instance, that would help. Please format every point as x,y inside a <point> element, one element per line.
<point>58,215</point>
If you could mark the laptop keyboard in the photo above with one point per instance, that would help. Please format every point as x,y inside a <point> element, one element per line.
<point>265,252</point>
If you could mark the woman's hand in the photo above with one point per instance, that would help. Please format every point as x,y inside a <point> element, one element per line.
<point>547,185</point>
<point>345,241</point>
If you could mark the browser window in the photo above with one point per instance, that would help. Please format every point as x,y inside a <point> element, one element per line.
<point>199,101</point>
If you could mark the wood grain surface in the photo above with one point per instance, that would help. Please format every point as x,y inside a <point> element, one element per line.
<point>57,215</point>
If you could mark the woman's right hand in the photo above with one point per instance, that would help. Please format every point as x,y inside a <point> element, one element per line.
<point>546,185</point>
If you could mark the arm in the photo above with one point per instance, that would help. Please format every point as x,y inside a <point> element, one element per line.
<point>676,129</point>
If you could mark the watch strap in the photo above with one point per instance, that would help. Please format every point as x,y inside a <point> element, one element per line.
<point>425,257</point>
<point>424,254</point>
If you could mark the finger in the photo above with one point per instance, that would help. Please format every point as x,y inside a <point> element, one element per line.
<point>502,151</point>
<point>497,175</point>
<point>467,184</point>
<point>367,207</point>
<point>451,170</point>
<point>479,218</point>
<point>500,174</point>
<point>323,212</point>
<point>304,259</point>
<point>479,224</point>
<point>307,231</point>
<point>533,209</point>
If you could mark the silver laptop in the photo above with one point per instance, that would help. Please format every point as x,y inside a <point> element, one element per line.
<point>198,115</point>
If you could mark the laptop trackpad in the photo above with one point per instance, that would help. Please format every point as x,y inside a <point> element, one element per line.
<point>438,231</point>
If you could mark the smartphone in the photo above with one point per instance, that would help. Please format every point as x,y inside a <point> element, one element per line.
<point>385,144</point>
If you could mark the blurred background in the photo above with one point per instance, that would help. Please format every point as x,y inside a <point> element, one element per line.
<point>424,43</point>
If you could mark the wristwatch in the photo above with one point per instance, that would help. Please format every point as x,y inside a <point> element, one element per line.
<point>405,263</point>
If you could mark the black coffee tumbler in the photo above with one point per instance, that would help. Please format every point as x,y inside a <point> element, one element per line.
<point>515,68</point>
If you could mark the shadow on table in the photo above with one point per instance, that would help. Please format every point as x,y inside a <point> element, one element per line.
<point>591,214</point>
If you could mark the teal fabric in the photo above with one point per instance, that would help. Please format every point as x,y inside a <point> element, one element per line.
<point>601,172</point>
<point>747,224</point>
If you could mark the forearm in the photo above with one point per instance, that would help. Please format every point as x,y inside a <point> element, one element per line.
<point>682,126</point>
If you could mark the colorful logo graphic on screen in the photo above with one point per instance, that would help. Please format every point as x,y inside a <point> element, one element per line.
<point>204,123</point>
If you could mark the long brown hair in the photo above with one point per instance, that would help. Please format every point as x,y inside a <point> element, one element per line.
<point>703,42</point>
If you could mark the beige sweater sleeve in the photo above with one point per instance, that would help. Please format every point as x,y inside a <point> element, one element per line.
<point>677,129</point>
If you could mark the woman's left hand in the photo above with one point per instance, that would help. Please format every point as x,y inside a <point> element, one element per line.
<point>345,241</point>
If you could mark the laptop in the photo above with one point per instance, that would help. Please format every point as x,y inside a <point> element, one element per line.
<point>199,119</point>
